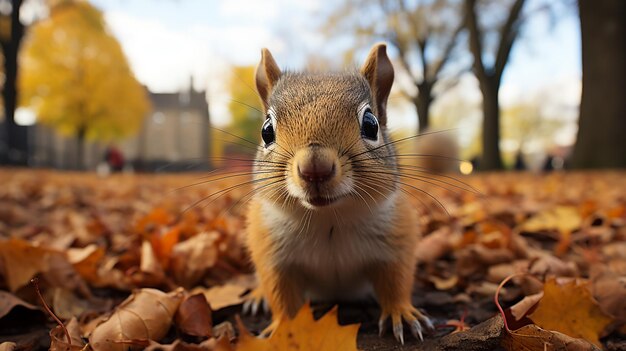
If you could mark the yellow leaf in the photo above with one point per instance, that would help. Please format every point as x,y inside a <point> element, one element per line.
<point>570,309</point>
<point>74,75</point>
<point>303,333</point>
<point>564,219</point>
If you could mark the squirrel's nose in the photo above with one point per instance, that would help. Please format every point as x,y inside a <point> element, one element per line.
<point>316,171</point>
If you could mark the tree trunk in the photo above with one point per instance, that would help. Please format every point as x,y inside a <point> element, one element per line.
<point>16,147</point>
<point>491,125</point>
<point>601,141</point>
<point>80,148</point>
<point>422,104</point>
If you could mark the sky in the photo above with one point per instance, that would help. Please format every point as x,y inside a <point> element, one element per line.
<point>167,41</point>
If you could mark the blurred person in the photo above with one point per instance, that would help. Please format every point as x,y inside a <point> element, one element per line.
<point>114,158</point>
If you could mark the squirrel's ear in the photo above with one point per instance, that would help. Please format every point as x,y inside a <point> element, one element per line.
<point>267,74</point>
<point>378,71</point>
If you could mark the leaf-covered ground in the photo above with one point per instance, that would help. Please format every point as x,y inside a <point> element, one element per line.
<point>153,260</point>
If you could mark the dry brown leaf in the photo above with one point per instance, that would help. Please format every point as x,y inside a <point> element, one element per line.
<point>434,245</point>
<point>157,217</point>
<point>194,316</point>
<point>179,345</point>
<point>192,258</point>
<point>609,289</point>
<point>484,336</point>
<point>145,315</point>
<point>8,346</point>
<point>162,244</point>
<point>222,296</point>
<point>549,265</point>
<point>22,261</point>
<point>303,333</point>
<point>67,305</point>
<point>520,309</point>
<point>444,283</point>
<point>149,261</point>
<point>570,309</point>
<point>58,340</point>
<point>533,338</point>
<point>9,301</point>
<point>86,260</point>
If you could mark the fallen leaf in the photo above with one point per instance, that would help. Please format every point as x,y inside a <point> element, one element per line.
<point>163,244</point>
<point>224,330</point>
<point>149,261</point>
<point>609,289</point>
<point>193,257</point>
<point>564,219</point>
<point>22,261</point>
<point>58,339</point>
<point>8,346</point>
<point>434,245</point>
<point>223,295</point>
<point>484,336</point>
<point>85,260</point>
<point>533,338</point>
<point>303,333</point>
<point>521,309</point>
<point>549,265</point>
<point>179,345</point>
<point>571,310</point>
<point>157,217</point>
<point>194,316</point>
<point>444,283</point>
<point>9,301</point>
<point>145,315</point>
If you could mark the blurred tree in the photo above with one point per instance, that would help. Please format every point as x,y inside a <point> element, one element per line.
<point>424,33</point>
<point>488,68</point>
<point>245,110</point>
<point>11,33</point>
<point>525,124</point>
<point>601,141</point>
<point>76,78</point>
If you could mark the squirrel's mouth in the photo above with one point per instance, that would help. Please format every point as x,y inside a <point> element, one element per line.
<point>321,201</point>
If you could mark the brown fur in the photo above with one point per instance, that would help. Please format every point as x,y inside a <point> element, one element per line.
<point>366,235</point>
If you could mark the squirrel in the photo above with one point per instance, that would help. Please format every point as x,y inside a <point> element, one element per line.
<point>327,220</point>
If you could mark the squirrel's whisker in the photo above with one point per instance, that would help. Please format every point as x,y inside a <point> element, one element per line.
<point>393,142</point>
<point>227,176</point>
<point>367,173</point>
<point>228,189</point>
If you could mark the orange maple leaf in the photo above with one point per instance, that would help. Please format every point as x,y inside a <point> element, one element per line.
<point>303,333</point>
<point>570,309</point>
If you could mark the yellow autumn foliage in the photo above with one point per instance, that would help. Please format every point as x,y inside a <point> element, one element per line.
<point>303,333</point>
<point>75,76</point>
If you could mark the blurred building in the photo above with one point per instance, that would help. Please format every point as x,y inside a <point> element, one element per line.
<point>174,137</point>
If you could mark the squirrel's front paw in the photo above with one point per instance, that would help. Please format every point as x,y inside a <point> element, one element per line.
<point>253,300</point>
<point>414,318</point>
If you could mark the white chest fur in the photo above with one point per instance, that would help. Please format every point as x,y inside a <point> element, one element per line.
<point>332,249</point>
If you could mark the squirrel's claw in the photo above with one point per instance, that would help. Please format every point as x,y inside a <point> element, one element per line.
<point>414,318</point>
<point>416,329</point>
<point>253,300</point>
<point>398,331</point>
<point>270,328</point>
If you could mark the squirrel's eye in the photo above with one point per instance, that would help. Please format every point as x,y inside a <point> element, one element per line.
<point>267,132</point>
<point>369,126</point>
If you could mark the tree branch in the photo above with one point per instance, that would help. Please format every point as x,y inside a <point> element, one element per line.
<point>508,33</point>
<point>447,51</point>
<point>475,43</point>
